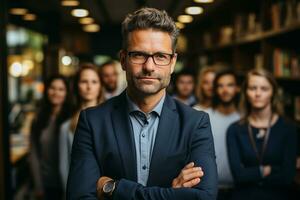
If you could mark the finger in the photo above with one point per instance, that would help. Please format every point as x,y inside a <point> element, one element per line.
<point>193,175</point>
<point>191,170</point>
<point>189,165</point>
<point>191,183</point>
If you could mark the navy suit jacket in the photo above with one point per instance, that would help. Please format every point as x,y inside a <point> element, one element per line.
<point>104,146</point>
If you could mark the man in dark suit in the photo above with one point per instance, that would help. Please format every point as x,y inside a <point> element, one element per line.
<point>143,145</point>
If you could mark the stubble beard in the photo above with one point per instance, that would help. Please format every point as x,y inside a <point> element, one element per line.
<point>153,87</point>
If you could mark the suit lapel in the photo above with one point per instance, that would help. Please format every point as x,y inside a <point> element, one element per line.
<point>124,137</point>
<point>168,119</point>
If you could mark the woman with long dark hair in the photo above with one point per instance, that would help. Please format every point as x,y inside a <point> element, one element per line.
<point>262,145</point>
<point>87,92</point>
<point>54,110</point>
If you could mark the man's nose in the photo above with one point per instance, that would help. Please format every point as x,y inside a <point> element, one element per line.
<point>149,65</point>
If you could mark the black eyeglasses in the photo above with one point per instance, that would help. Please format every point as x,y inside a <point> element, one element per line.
<point>162,59</point>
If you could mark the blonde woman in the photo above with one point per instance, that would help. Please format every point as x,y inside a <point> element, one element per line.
<point>204,88</point>
<point>262,145</point>
<point>88,93</point>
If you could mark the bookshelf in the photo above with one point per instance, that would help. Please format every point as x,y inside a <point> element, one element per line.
<point>255,34</point>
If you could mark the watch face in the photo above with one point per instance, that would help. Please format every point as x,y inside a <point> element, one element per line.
<point>108,187</point>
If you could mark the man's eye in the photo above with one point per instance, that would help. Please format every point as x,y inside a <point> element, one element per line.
<point>138,55</point>
<point>160,56</point>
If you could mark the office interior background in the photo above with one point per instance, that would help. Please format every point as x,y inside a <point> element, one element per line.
<point>42,38</point>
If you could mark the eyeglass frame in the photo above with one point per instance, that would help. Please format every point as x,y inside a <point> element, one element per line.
<point>146,56</point>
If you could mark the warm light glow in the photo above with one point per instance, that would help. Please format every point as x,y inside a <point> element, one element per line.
<point>18,11</point>
<point>80,13</point>
<point>203,1</point>
<point>86,20</point>
<point>16,69</point>
<point>66,60</point>
<point>185,18</point>
<point>69,3</point>
<point>91,28</point>
<point>28,64</point>
<point>29,17</point>
<point>194,10</point>
<point>179,25</point>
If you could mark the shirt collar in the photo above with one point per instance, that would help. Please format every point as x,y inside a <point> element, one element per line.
<point>157,109</point>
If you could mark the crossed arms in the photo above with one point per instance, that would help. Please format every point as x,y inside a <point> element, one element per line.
<point>85,173</point>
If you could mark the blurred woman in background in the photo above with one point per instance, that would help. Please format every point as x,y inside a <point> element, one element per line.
<point>43,156</point>
<point>87,92</point>
<point>262,145</point>
<point>204,88</point>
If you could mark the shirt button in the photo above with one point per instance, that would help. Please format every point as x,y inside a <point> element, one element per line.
<point>143,135</point>
<point>144,167</point>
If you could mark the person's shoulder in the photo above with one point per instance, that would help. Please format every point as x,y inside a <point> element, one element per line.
<point>104,107</point>
<point>285,123</point>
<point>187,111</point>
<point>65,125</point>
<point>239,124</point>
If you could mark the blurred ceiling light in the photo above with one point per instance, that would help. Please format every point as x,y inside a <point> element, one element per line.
<point>194,10</point>
<point>29,17</point>
<point>185,18</point>
<point>179,25</point>
<point>203,1</point>
<point>91,28</point>
<point>16,69</point>
<point>86,20</point>
<point>80,13</point>
<point>69,3</point>
<point>66,60</point>
<point>18,11</point>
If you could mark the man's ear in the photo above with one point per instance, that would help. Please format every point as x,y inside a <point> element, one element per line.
<point>173,62</point>
<point>122,55</point>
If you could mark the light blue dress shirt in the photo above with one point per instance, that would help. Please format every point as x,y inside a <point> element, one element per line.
<point>144,126</point>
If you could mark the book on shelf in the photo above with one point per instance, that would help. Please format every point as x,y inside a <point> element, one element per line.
<point>207,40</point>
<point>284,13</point>
<point>226,35</point>
<point>285,64</point>
<point>259,61</point>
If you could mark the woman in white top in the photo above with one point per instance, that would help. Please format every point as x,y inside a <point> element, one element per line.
<point>88,93</point>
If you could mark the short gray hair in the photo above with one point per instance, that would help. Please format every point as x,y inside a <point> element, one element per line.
<point>149,18</point>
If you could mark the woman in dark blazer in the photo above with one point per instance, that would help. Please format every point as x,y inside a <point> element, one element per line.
<point>262,145</point>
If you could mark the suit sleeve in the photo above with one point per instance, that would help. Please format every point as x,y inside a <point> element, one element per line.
<point>202,153</point>
<point>240,173</point>
<point>84,169</point>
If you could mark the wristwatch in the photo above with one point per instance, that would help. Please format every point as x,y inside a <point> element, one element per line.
<point>109,187</point>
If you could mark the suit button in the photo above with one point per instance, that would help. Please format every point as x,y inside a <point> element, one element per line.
<point>144,167</point>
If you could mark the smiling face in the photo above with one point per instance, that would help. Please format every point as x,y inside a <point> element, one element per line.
<point>148,78</point>
<point>259,92</point>
<point>89,85</point>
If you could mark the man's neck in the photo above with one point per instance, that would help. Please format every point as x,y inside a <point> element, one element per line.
<point>226,109</point>
<point>146,102</point>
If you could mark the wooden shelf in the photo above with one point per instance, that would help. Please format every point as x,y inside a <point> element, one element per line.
<point>287,79</point>
<point>256,37</point>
